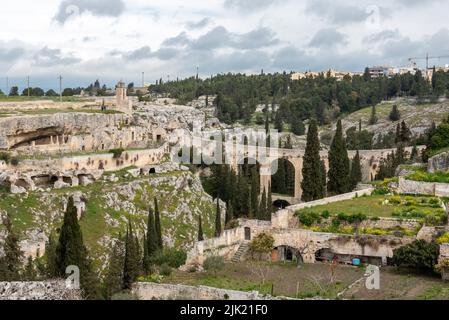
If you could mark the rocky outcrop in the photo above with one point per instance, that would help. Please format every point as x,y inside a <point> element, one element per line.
<point>439,162</point>
<point>48,290</point>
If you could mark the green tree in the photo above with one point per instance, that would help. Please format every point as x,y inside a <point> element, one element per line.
<point>151,234</point>
<point>30,273</point>
<point>11,262</point>
<point>373,118</point>
<point>200,229</point>
<point>312,181</point>
<point>14,92</point>
<point>157,222</point>
<point>419,255</point>
<point>356,171</point>
<point>51,269</point>
<point>113,281</point>
<point>395,115</point>
<point>218,229</point>
<point>338,164</point>
<point>131,267</point>
<point>70,251</point>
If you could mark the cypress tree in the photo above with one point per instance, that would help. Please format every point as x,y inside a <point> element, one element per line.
<point>338,164</point>
<point>131,268</point>
<point>151,234</point>
<point>323,177</point>
<point>30,272</point>
<point>113,282</point>
<point>356,171</point>
<point>398,138</point>
<point>262,213</point>
<point>405,132</point>
<point>200,229</point>
<point>70,249</point>
<point>373,118</point>
<point>229,214</point>
<point>312,181</point>
<point>146,261</point>
<point>218,220</point>
<point>415,153</point>
<point>394,114</point>
<point>269,202</point>
<point>10,263</point>
<point>157,222</point>
<point>50,257</point>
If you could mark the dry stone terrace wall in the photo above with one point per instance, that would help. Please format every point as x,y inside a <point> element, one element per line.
<point>155,291</point>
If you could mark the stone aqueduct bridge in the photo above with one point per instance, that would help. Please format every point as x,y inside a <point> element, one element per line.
<point>268,158</point>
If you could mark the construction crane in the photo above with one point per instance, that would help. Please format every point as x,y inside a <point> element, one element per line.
<point>427,58</point>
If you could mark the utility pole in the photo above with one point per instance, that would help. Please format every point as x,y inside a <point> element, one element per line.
<point>60,88</point>
<point>7,87</point>
<point>28,85</point>
<point>143,79</point>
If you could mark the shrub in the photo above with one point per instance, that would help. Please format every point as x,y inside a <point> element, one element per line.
<point>325,214</point>
<point>214,264</point>
<point>14,161</point>
<point>418,255</point>
<point>354,218</point>
<point>308,218</point>
<point>381,191</point>
<point>165,270</point>
<point>443,239</point>
<point>261,244</point>
<point>5,157</point>
<point>171,257</point>
<point>117,152</point>
<point>395,200</point>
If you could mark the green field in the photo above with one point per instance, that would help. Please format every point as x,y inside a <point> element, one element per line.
<point>383,206</point>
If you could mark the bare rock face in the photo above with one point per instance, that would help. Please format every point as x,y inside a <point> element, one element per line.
<point>439,162</point>
<point>48,290</point>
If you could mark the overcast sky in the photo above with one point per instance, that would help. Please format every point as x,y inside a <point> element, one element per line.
<point>116,39</point>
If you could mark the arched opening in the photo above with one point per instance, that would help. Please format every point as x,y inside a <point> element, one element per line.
<point>248,234</point>
<point>281,204</point>
<point>286,254</point>
<point>325,255</point>
<point>152,171</point>
<point>283,178</point>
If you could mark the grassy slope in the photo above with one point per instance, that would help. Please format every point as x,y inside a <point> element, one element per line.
<point>44,211</point>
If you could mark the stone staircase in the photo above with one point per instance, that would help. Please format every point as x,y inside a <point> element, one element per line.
<point>242,250</point>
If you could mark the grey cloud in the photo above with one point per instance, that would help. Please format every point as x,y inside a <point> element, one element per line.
<point>47,57</point>
<point>220,37</point>
<point>382,36</point>
<point>139,54</point>
<point>327,38</point>
<point>180,40</point>
<point>216,38</point>
<point>103,8</point>
<point>11,54</point>
<point>248,5</point>
<point>198,24</point>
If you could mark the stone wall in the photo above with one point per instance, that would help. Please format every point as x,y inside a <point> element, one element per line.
<point>439,162</point>
<point>155,291</point>
<point>423,188</point>
<point>286,219</point>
